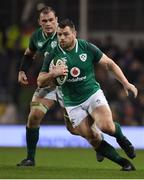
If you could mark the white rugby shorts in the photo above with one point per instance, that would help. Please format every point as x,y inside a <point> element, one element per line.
<point>47,93</point>
<point>79,112</point>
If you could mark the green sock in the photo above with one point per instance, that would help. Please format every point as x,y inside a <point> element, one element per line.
<point>32,136</point>
<point>108,151</point>
<point>118,133</point>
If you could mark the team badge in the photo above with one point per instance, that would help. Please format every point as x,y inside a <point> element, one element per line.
<point>53,44</point>
<point>75,72</point>
<point>83,57</point>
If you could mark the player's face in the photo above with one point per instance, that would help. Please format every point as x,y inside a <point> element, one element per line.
<point>66,37</point>
<point>48,22</point>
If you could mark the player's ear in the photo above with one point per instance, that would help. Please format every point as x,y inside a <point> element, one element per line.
<point>57,19</point>
<point>39,21</point>
<point>75,33</point>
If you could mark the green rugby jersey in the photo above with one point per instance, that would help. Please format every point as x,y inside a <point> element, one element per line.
<point>81,82</point>
<point>41,43</point>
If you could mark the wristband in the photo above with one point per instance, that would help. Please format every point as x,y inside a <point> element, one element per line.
<point>26,63</point>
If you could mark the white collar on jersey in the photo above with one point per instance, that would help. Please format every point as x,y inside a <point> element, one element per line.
<point>76,47</point>
<point>45,37</point>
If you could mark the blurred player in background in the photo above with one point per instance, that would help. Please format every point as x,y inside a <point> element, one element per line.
<point>82,95</point>
<point>42,41</point>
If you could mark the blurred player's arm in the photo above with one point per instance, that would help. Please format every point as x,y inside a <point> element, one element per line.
<point>27,60</point>
<point>25,65</point>
<point>110,65</point>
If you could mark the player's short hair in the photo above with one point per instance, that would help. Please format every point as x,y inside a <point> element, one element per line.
<point>46,10</point>
<point>66,22</point>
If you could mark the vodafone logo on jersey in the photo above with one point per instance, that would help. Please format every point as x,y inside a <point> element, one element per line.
<point>75,72</point>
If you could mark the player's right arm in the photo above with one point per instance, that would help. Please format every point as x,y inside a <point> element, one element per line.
<point>48,75</point>
<point>26,61</point>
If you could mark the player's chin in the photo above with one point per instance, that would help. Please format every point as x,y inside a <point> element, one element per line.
<point>63,45</point>
<point>49,31</point>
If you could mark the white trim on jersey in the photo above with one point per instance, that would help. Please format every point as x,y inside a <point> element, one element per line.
<point>53,35</point>
<point>62,49</point>
<point>47,36</point>
<point>76,48</point>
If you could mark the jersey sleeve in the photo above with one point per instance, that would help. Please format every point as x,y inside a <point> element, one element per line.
<point>46,62</point>
<point>32,44</point>
<point>97,53</point>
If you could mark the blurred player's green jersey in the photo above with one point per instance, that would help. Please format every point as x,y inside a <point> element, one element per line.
<point>81,83</point>
<point>42,43</point>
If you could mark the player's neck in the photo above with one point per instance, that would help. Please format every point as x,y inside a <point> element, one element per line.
<point>48,34</point>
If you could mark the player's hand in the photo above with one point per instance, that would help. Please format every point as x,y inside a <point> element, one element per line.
<point>61,70</point>
<point>22,78</point>
<point>131,88</point>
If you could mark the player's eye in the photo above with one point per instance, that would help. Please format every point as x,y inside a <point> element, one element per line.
<point>66,34</point>
<point>44,20</point>
<point>51,19</point>
<point>59,34</point>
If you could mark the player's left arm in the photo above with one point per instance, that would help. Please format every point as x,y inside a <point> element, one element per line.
<point>110,65</point>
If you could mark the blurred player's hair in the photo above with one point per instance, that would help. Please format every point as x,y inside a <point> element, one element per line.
<point>46,10</point>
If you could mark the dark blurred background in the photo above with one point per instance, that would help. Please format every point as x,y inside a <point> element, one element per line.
<point>115,26</point>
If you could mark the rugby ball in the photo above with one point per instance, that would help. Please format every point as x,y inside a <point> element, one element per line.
<point>60,80</point>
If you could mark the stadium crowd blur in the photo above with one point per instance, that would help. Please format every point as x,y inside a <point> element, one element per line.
<point>14,100</point>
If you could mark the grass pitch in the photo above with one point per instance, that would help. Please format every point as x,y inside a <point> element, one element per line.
<point>65,164</point>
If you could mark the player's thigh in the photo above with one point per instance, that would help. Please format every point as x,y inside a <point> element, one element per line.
<point>100,111</point>
<point>85,129</point>
<point>76,114</point>
<point>59,96</point>
<point>82,122</point>
<point>49,103</point>
<point>68,123</point>
<point>103,118</point>
<point>78,117</point>
<point>45,97</point>
<point>40,105</point>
